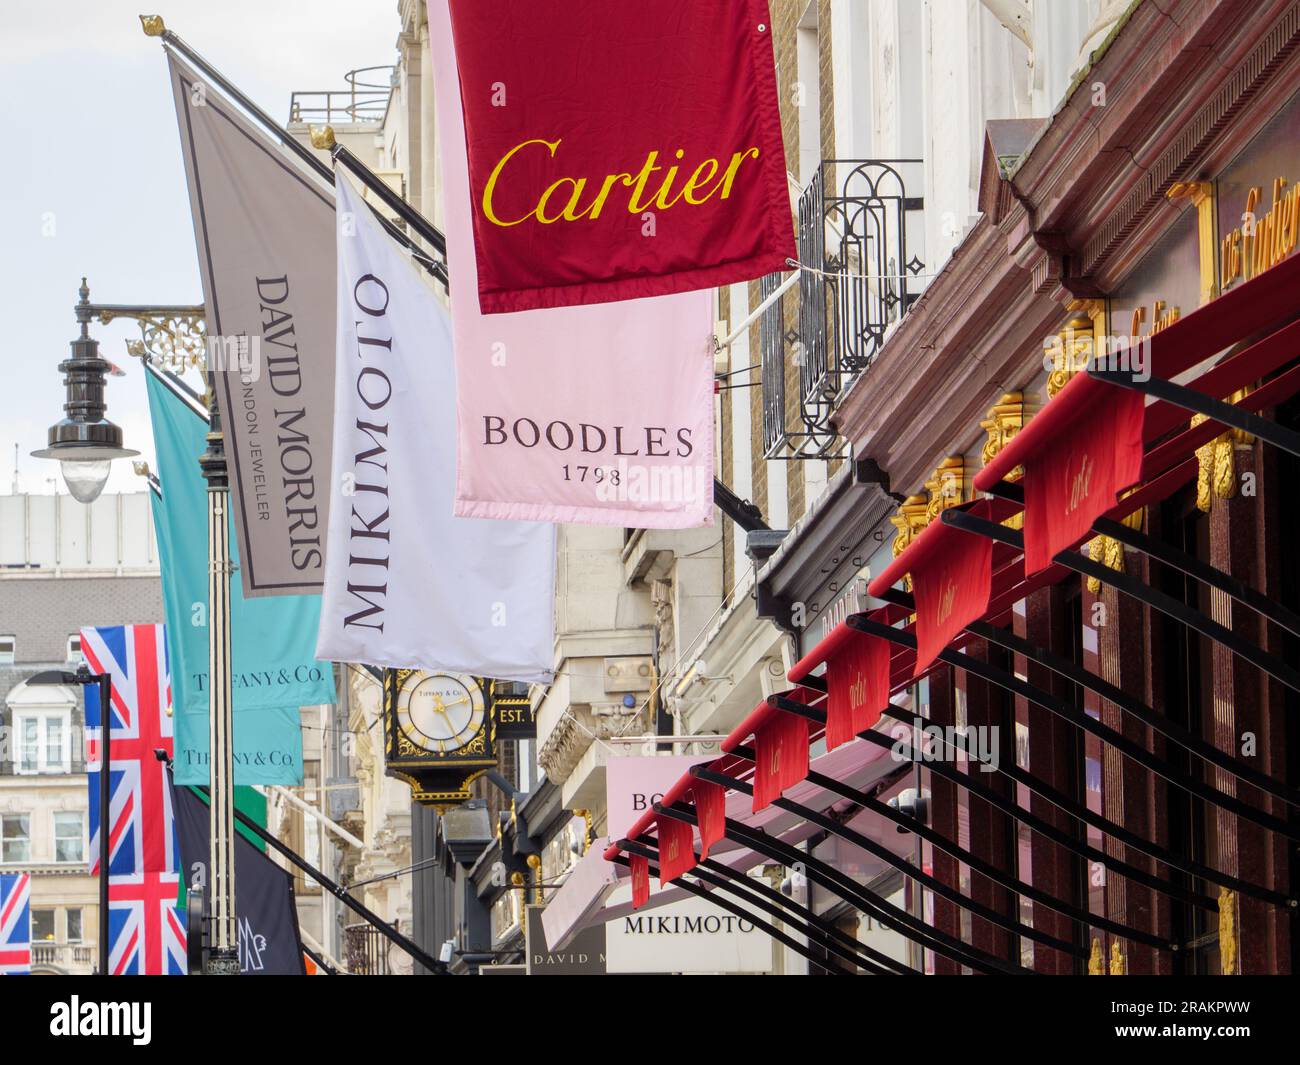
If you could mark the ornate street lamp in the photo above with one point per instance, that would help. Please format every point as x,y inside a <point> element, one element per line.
<point>84,441</point>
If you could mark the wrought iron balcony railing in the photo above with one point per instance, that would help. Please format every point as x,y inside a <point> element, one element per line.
<point>860,241</point>
<point>365,950</point>
<point>364,100</point>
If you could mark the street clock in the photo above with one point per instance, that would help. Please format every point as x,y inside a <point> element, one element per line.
<point>438,733</point>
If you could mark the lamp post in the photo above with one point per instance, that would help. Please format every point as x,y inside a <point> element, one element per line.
<point>83,441</point>
<point>84,677</point>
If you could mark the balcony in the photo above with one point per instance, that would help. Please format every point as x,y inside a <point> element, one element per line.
<point>365,950</point>
<point>860,240</point>
<point>66,957</point>
<point>365,100</point>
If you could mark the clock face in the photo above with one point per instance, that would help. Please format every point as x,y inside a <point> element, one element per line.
<point>440,712</point>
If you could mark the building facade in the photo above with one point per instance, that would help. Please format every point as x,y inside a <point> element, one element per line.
<point>977,187</point>
<point>63,566</point>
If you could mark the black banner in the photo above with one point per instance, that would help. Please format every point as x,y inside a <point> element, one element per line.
<point>269,944</point>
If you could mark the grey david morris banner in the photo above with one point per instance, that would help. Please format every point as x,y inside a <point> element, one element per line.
<point>264,226</point>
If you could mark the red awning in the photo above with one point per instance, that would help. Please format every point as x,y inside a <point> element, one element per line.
<point>1086,445</point>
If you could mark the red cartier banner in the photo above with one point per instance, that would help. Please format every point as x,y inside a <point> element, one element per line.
<point>857,688</point>
<point>640,866</point>
<point>619,151</point>
<point>711,810</point>
<point>780,757</point>
<point>1068,486</point>
<point>676,850</point>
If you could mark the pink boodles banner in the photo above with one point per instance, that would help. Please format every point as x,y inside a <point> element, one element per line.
<point>598,414</point>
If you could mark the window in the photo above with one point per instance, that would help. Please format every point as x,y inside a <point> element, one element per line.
<point>69,837</point>
<point>42,926</point>
<point>74,926</point>
<point>42,742</point>
<point>8,648</point>
<point>74,648</point>
<point>15,839</point>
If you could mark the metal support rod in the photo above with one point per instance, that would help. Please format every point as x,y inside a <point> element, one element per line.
<point>339,892</point>
<point>105,683</point>
<point>1057,799</point>
<point>292,143</point>
<point>1008,806</point>
<point>1077,716</point>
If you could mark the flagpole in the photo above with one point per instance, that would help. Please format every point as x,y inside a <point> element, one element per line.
<point>105,811</point>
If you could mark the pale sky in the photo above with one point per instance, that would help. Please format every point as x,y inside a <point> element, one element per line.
<point>91,178</point>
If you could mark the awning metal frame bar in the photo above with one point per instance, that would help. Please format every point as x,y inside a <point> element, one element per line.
<point>1199,403</point>
<point>779,906</point>
<point>978,909</point>
<point>1078,717</point>
<point>1057,799</point>
<point>1179,560</point>
<point>1078,675</point>
<point>1026,817</point>
<point>986,869</point>
<point>1131,586</point>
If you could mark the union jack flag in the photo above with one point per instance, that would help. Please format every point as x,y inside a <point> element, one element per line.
<point>146,934</point>
<point>15,924</point>
<point>142,836</point>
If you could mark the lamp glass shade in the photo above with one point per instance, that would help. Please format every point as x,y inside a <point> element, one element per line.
<point>85,480</point>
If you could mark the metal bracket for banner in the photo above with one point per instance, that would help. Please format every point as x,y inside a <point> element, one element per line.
<point>295,146</point>
<point>1009,807</point>
<point>844,887</point>
<point>940,842</point>
<point>1157,600</point>
<point>784,909</point>
<point>857,839</point>
<point>1199,403</point>
<point>732,908</point>
<point>1177,559</point>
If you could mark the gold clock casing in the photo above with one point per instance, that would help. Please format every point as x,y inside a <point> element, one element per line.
<point>438,734</point>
